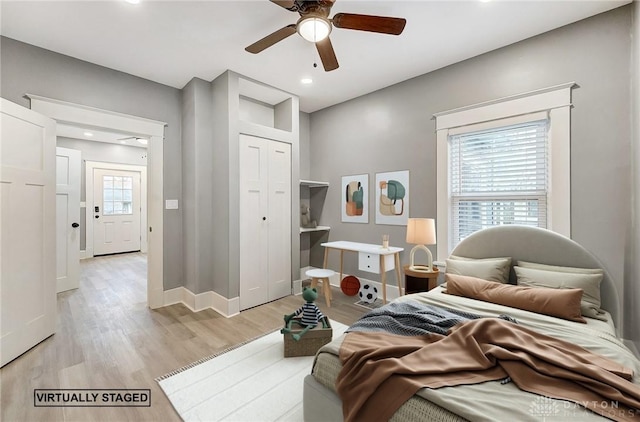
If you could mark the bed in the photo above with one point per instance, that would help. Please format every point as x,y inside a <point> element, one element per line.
<point>494,400</point>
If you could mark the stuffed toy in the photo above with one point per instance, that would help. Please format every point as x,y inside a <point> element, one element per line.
<point>305,217</point>
<point>311,315</point>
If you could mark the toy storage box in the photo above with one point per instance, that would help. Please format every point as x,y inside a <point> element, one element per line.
<point>309,344</point>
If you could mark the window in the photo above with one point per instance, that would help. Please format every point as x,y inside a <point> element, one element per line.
<point>498,176</point>
<point>117,195</point>
<point>504,162</point>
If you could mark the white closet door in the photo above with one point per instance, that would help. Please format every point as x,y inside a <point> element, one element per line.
<point>265,220</point>
<point>279,220</point>
<point>253,221</point>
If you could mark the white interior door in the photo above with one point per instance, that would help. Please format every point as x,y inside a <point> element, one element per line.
<point>265,220</point>
<point>253,221</point>
<point>116,211</point>
<point>28,234</point>
<point>67,219</point>
<point>279,220</point>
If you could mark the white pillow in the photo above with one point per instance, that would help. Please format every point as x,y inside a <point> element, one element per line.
<point>491,269</point>
<point>560,269</point>
<point>588,282</point>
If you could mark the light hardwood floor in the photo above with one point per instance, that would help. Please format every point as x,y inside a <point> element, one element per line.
<point>107,338</point>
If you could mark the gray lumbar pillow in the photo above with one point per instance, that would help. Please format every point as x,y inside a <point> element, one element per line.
<point>490,269</point>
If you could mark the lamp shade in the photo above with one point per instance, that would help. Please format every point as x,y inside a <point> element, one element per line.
<point>421,231</point>
<point>314,29</point>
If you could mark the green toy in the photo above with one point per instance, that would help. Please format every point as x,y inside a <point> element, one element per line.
<point>311,315</point>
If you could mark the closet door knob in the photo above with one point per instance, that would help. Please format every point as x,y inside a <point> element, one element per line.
<point>264,218</point>
<point>75,225</point>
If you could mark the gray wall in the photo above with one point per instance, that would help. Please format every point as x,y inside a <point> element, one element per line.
<point>632,275</point>
<point>305,141</point>
<point>222,129</point>
<point>103,152</point>
<point>197,192</point>
<point>28,69</point>
<point>392,129</point>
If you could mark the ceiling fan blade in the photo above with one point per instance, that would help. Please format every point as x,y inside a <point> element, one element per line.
<point>380,24</point>
<point>327,54</point>
<point>271,39</point>
<point>287,4</point>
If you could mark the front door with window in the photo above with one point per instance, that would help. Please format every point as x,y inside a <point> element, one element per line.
<point>116,211</point>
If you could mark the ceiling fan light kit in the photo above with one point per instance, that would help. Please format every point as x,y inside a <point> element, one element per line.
<point>315,26</point>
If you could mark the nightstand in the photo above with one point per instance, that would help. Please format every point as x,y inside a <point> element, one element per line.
<point>418,281</point>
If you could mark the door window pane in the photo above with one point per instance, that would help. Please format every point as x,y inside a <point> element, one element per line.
<point>117,192</point>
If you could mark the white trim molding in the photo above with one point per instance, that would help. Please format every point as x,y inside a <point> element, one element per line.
<point>199,302</point>
<point>84,116</point>
<point>553,101</point>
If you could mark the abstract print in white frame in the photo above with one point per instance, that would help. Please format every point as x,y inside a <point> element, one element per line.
<point>392,198</point>
<point>355,198</point>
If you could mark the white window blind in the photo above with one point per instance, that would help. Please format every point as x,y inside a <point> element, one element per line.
<point>498,176</point>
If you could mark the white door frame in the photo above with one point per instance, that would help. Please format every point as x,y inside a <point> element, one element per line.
<point>84,116</point>
<point>92,165</point>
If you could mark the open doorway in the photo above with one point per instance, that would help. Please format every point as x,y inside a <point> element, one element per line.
<point>83,117</point>
<point>116,208</point>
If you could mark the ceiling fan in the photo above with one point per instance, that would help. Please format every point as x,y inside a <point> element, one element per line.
<point>315,26</point>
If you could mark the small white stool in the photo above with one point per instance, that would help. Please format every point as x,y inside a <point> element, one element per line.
<point>322,275</point>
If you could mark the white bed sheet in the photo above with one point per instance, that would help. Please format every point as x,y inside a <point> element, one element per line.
<point>489,400</point>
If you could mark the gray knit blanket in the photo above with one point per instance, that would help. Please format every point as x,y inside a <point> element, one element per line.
<point>413,319</point>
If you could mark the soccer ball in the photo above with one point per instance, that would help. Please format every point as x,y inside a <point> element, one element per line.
<point>368,293</point>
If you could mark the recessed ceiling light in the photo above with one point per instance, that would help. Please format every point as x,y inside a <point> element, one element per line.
<point>123,142</point>
<point>89,134</point>
<point>132,1</point>
<point>142,141</point>
<point>306,81</point>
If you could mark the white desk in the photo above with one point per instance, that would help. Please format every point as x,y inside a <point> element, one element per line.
<point>371,258</point>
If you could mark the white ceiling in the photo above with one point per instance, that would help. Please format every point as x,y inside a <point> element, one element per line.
<point>171,42</point>
<point>90,134</point>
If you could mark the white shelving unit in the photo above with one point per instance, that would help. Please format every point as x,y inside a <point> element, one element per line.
<point>312,184</point>
<point>315,229</point>
<point>312,193</point>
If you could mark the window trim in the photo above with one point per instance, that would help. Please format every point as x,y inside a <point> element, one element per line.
<point>556,101</point>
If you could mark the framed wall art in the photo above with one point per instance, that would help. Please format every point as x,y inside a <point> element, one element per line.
<point>392,198</point>
<point>355,198</point>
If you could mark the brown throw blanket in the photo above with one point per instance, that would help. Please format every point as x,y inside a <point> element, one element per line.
<point>381,371</point>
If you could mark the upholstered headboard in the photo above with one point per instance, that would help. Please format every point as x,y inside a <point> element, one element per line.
<point>538,245</point>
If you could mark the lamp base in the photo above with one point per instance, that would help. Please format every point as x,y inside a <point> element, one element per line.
<point>421,268</point>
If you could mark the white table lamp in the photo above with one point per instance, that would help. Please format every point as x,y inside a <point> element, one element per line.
<point>421,232</point>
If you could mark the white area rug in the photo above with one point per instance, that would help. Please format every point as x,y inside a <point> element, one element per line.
<point>252,382</point>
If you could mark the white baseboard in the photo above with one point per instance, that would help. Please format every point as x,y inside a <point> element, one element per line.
<point>198,302</point>
<point>297,287</point>
<point>83,255</point>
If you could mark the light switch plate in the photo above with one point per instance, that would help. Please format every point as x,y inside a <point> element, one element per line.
<point>171,204</point>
